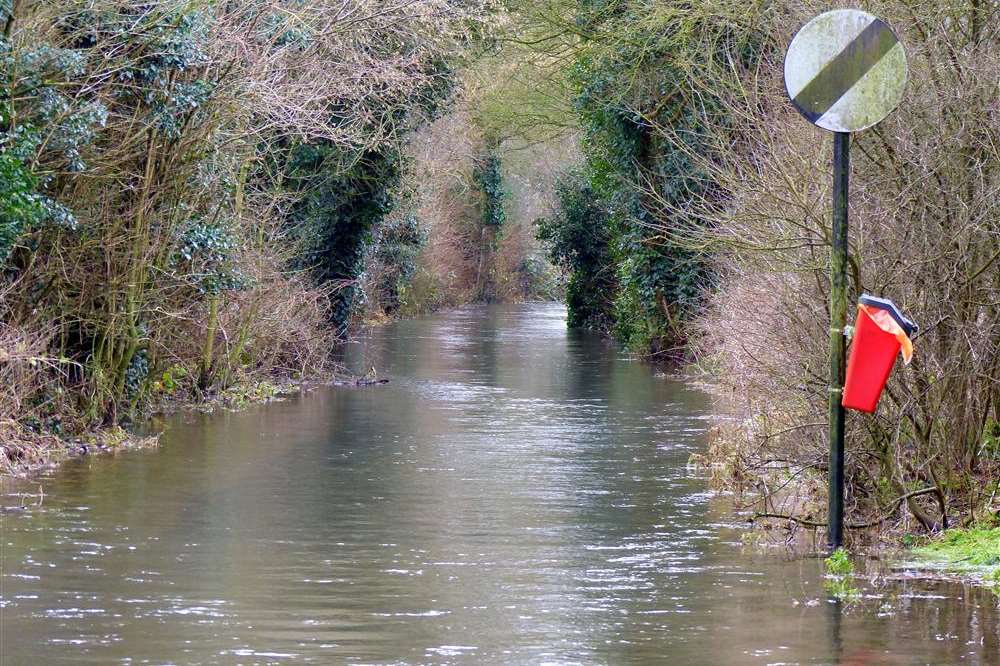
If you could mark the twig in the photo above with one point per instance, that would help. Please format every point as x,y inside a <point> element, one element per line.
<point>794,519</point>
<point>853,526</point>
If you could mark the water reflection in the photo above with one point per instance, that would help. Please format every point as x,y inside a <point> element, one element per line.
<point>517,495</point>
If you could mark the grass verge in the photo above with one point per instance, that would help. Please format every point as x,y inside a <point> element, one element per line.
<point>972,552</point>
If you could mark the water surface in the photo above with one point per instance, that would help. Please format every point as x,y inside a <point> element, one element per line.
<point>518,494</point>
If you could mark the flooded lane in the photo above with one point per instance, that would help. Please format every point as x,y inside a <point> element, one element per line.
<point>518,494</point>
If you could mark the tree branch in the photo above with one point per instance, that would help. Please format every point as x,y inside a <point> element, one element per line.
<point>853,526</point>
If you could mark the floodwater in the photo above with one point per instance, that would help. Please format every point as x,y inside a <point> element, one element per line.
<point>518,494</point>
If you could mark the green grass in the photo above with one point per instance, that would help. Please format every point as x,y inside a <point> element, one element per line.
<point>965,548</point>
<point>840,576</point>
<point>839,563</point>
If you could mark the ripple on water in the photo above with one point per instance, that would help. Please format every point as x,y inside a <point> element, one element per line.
<point>518,494</point>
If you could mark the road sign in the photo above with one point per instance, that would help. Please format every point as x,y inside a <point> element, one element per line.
<point>845,70</point>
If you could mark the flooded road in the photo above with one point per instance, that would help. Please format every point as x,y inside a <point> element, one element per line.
<point>518,494</point>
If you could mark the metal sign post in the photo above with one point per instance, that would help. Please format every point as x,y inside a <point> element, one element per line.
<point>838,343</point>
<point>845,70</point>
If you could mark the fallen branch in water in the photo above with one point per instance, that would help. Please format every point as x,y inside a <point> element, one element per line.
<point>794,519</point>
<point>360,382</point>
<point>365,381</point>
<point>853,526</point>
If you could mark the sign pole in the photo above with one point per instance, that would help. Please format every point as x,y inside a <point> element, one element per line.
<point>845,70</point>
<point>838,345</point>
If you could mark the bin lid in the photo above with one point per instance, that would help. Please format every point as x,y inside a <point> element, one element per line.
<point>890,307</point>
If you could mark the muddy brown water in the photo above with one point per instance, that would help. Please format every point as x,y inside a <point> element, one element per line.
<point>518,494</point>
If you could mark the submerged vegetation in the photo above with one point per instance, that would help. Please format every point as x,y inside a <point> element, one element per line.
<point>840,576</point>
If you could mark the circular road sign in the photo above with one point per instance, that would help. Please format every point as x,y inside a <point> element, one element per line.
<point>845,70</point>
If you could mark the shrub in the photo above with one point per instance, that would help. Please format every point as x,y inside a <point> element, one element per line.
<point>924,232</point>
<point>578,239</point>
<point>395,253</point>
<point>163,162</point>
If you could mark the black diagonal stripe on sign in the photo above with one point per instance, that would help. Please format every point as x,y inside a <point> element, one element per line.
<point>840,74</point>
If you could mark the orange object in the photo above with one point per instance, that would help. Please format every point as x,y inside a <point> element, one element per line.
<point>880,333</point>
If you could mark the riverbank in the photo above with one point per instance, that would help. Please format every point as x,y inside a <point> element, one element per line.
<point>32,443</point>
<point>971,554</point>
<point>25,452</point>
<point>783,501</point>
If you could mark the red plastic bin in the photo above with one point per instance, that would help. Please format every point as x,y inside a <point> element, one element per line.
<point>873,352</point>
